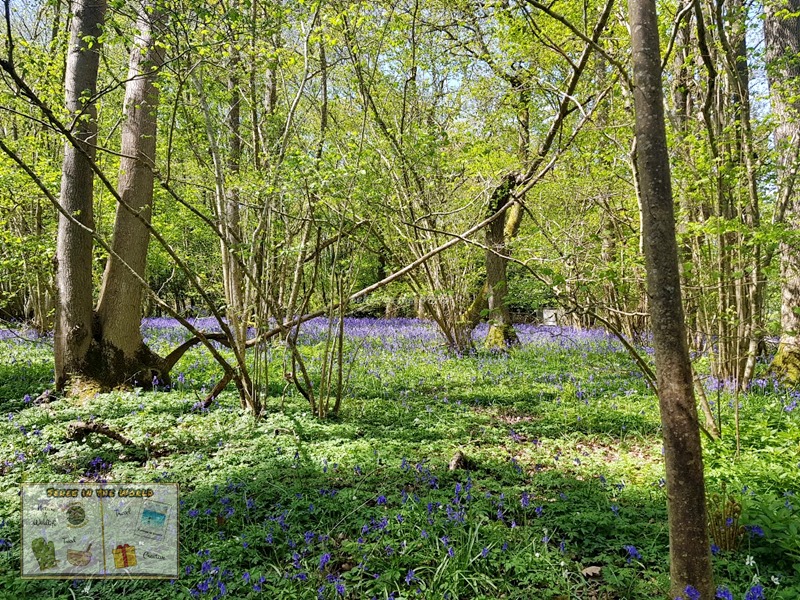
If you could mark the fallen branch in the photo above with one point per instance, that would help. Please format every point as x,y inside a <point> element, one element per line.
<point>77,432</point>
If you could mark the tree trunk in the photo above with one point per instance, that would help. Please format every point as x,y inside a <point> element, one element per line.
<point>501,331</point>
<point>73,326</point>
<point>690,556</point>
<point>121,356</point>
<point>230,216</point>
<point>782,37</point>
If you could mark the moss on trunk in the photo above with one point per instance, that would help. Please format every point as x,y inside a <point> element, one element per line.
<point>786,364</point>
<point>500,337</point>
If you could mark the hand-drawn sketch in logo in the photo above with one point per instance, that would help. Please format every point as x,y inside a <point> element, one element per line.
<point>45,553</point>
<point>76,515</point>
<point>153,519</point>
<point>79,558</point>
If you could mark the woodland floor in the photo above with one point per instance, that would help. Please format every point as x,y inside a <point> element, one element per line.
<point>562,473</point>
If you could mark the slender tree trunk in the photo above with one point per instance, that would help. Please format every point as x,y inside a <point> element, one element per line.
<point>73,326</point>
<point>231,214</point>
<point>123,355</point>
<point>782,37</point>
<point>690,556</point>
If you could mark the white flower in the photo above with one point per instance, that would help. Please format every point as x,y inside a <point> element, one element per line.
<point>750,561</point>
<point>537,555</point>
<point>776,580</point>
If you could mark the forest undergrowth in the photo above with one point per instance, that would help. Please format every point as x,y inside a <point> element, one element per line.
<point>556,489</point>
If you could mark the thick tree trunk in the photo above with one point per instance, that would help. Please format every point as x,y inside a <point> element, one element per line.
<point>501,331</point>
<point>782,37</point>
<point>119,355</point>
<point>73,326</point>
<point>690,556</point>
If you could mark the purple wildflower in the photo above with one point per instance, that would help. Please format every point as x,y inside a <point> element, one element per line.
<point>692,593</point>
<point>723,593</point>
<point>633,553</point>
<point>755,593</point>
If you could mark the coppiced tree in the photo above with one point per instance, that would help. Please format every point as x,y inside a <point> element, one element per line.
<point>121,355</point>
<point>74,327</point>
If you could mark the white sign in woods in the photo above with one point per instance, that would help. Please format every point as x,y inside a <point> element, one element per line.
<point>90,530</point>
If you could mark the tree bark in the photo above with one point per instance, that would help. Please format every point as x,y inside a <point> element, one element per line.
<point>228,211</point>
<point>690,556</point>
<point>501,331</point>
<point>73,325</point>
<point>782,38</point>
<point>121,354</point>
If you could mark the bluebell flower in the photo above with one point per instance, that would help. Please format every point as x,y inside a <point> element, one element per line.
<point>692,593</point>
<point>410,577</point>
<point>324,560</point>
<point>755,593</point>
<point>723,593</point>
<point>754,531</point>
<point>632,553</point>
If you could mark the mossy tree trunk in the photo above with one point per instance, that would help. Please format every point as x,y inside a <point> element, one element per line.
<point>782,38</point>
<point>501,332</point>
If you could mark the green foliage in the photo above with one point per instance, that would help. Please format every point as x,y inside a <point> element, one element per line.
<point>563,471</point>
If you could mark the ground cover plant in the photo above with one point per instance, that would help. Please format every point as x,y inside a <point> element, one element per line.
<point>532,474</point>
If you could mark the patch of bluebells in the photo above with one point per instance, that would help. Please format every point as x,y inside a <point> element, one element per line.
<point>454,513</point>
<point>97,470</point>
